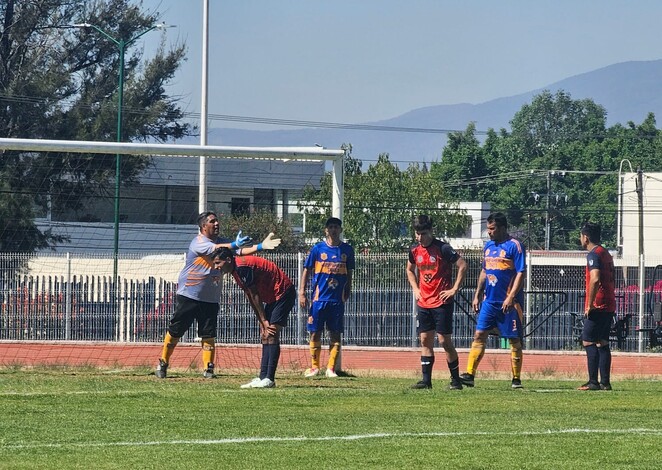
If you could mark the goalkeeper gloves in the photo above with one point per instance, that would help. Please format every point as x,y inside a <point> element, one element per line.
<point>241,241</point>
<point>269,243</point>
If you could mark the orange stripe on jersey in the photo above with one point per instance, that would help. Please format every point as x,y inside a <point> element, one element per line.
<point>327,267</point>
<point>517,244</point>
<point>501,264</point>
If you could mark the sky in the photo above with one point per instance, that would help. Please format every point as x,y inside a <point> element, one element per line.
<point>357,61</point>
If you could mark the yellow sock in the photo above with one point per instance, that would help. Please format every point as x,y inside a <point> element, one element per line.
<point>315,353</point>
<point>169,344</point>
<point>334,350</point>
<point>516,357</point>
<point>475,355</point>
<point>208,350</point>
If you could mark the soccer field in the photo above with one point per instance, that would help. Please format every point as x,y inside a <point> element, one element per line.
<point>63,419</point>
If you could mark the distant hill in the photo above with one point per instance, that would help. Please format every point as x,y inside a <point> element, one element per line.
<point>628,90</point>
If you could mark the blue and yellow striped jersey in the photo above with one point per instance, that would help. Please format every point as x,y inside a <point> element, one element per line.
<point>329,266</point>
<point>501,262</point>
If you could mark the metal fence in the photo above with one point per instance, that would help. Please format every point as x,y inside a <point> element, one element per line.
<point>74,299</point>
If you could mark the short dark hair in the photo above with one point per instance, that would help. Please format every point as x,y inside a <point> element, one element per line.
<point>498,218</point>
<point>422,222</point>
<point>202,218</point>
<point>333,221</point>
<point>592,231</point>
<point>224,254</point>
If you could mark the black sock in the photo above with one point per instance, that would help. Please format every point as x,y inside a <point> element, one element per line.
<point>604,354</point>
<point>264,362</point>
<point>427,363</point>
<point>272,364</point>
<point>454,367</point>
<point>592,362</point>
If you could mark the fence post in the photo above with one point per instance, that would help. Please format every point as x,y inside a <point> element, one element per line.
<point>527,316</point>
<point>67,301</point>
<point>414,336</point>
<point>642,293</point>
<point>300,311</point>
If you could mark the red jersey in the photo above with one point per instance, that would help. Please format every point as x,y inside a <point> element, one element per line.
<point>599,258</point>
<point>268,279</point>
<point>434,264</point>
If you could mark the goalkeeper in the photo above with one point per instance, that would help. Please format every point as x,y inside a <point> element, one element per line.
<point>199,290</point>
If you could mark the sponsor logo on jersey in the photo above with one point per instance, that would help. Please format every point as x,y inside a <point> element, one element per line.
<point>492,279</point>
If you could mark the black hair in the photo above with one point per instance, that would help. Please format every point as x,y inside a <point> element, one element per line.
<point>224,254</point>
<point>333,221</point>
<point>592,231</point>
<point>498,218</point>
<point>202,218</point>
<point>422,222</point>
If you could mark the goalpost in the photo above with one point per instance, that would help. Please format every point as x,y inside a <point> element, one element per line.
<point>46,294</point>
<point>261,153</point>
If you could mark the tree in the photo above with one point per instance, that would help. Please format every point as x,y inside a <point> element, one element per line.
<point>380,204</point>
<point>58,82</point>
<point>462,165</point>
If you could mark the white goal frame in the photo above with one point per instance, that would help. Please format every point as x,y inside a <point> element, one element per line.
<point>284,154</point>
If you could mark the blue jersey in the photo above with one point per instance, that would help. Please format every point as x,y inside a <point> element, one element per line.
<point>329,266</point>
<point>501,262</point>
<point>199,280</point>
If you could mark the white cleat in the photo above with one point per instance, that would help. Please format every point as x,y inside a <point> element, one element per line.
<point>252,383</point>
<point>331,373</point>
<point>312,372</point>
<point>265,383</point>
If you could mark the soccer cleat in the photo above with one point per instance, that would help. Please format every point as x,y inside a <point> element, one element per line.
<point>209,371</point>
<point>421,385</point>
<point>252,383</point>
<point>455,385</point>
<point>312,372</point>
<point>589,386</point>
<point>606,387</point>
<point>516,383</point>
<point>467,379</point>
<point>331,373</point>
<point>161,369</point>
<point>265,383</point>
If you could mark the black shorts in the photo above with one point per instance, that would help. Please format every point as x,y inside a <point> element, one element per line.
<point>439,319</point>
<point>278,311</point>
<point>597,326</point>
<point>187,310</point>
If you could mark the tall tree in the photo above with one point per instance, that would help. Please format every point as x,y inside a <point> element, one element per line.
<point>61,82</point>
<point>380,203</point>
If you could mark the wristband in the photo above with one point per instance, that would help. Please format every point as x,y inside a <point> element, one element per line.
<point>233,245</point>
<point>259,247</point>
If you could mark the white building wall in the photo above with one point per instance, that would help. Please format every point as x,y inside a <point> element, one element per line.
<point>652,212</point>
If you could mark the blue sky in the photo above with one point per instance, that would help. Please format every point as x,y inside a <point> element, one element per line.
<point>356,61</point>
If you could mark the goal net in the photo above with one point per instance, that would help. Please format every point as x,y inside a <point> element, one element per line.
<point>61,306</point>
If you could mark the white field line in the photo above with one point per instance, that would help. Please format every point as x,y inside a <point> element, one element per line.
<point>96,392</point>
<point>354,437</point>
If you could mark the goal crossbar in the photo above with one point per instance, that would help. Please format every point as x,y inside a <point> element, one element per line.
<point>131,148</point>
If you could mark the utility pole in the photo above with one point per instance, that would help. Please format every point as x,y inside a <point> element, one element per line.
<point>642,259</point>
<point>549,193</point>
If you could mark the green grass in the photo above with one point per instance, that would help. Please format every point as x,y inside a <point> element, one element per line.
<point>92,419</point>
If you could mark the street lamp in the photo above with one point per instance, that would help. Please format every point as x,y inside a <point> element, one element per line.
<point>122,44</point>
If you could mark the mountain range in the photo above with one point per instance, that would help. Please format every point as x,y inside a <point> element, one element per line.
<point>627,90</point>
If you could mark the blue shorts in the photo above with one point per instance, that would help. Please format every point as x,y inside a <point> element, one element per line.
<point>509,323</point>
<point>331,314</point>
<point>278,311</point>
<point>597,326</point>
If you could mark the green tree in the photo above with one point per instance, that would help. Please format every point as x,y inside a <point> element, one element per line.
<point>59,82</point>
<point>380,203</point>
